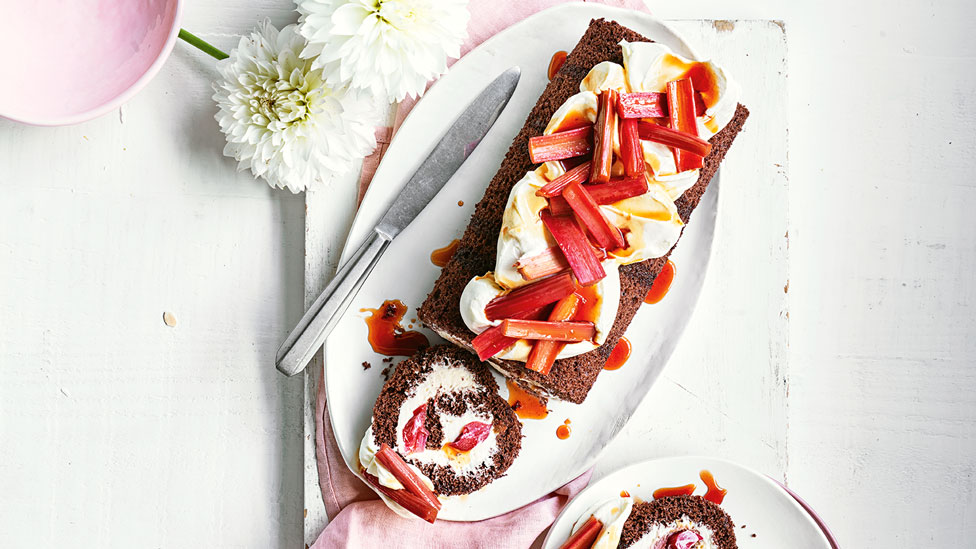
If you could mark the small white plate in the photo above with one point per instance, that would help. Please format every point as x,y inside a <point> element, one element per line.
<point>406,273</point>
<point>756,503</point>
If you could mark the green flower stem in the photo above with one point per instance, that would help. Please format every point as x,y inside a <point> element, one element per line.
<point>202,45</point>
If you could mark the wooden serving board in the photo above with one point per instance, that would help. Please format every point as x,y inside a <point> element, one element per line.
<point>732,390</point>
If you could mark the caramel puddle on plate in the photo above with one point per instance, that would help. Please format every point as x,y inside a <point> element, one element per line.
<point>387,336</point>
<point>441,256</point>
<point>564,430</point>
<point>526,405</point>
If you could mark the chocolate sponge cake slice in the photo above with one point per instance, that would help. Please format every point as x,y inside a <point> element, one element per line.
<point>678,521</point>
<point>569,378</point>
<point>440,412</point>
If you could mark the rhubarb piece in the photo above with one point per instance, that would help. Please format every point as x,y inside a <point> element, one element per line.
<point>560,145</point>
<point>619,188</point>
<point>548,262</point>
<point>631,152</point>
<point>530,297</point>
<point>642,105</point>
<point>471,435</point>
<point>651,105</point>
<point>543,354</point>
<point>405,499</point>
<point>575,247</point>
<point>683,539</point>
<point>549,331</point>
<point>407,477</point>
<point>603,130</point>
<point>491,341</point>
<point>579,174</point>
<point>414,433</point>
<point>672,138</point>
<point>585,536</point>
<point>606,234</point>
<point>681,107</point>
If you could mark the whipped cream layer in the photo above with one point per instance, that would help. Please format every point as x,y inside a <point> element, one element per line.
<point>613,514</point>
<point>659,533</point>
<point>650,222</point>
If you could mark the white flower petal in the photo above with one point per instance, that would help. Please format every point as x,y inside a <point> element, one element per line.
<point>280,116</point>
<point>390,48</point>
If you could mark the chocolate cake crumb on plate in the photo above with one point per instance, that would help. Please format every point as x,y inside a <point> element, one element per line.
<point>570,378</point>
<point>479,396</point>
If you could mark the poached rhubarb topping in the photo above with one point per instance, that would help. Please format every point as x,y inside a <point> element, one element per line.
<point>414,433</point>
<point>672,138</point>
<point>579,174</point>
<point>603,131</point>
<point>548,262</point>
<point>651,105</point>
<point>576,248</point>
<point>642,105</point>
<point>561,145</point>
<point>585,536</point>
<point>531,297</point>
<point>631,152</point>
<point>619,188</point>
<point>681,108</point>
<point>492,341</point>
<point>407,477</point>
<point>547,330</point>
<point>543,354</point>
<point>471,435</point>
<point>606,234</point>
<point>416,505</point>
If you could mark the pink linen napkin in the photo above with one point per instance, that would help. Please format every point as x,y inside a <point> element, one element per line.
<point>357,517</point>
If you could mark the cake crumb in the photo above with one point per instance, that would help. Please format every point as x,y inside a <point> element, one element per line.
<point>169,319</point>
<point>388,359</point>
<point>460,203</point>
<point>754,535</point>
<point>366,365</point>
<point>386,372</point>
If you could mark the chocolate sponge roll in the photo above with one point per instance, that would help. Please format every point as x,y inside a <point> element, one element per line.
<point>570,378</point>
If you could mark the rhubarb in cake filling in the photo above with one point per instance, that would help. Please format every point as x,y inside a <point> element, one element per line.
<point>612,161</point>
<point>446,423</point>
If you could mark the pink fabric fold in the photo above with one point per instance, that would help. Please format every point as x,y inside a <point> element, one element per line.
<point>357,517</point>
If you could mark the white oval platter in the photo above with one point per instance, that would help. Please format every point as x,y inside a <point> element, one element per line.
<point>758,506</point>
<point>406,273</point>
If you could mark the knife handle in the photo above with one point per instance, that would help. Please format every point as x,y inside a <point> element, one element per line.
<point>319,320</point>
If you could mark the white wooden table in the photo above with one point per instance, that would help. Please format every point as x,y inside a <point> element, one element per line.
<point>118,431</point>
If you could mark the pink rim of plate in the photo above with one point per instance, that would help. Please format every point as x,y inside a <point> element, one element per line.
<point>813,514</point>
<point>174,7</point>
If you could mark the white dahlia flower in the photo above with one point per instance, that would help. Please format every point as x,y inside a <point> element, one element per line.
<point>390,47</point>
<point>281,119</point>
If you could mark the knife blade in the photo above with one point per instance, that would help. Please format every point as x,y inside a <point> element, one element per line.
<point>442,162</point>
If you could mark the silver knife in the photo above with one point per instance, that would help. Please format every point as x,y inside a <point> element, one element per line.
<point>448,155</point>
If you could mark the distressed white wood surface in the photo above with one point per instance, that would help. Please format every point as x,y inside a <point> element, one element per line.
<point>115,429</point>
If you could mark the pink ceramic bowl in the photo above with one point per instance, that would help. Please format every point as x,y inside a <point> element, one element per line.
<point>74,60</point>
